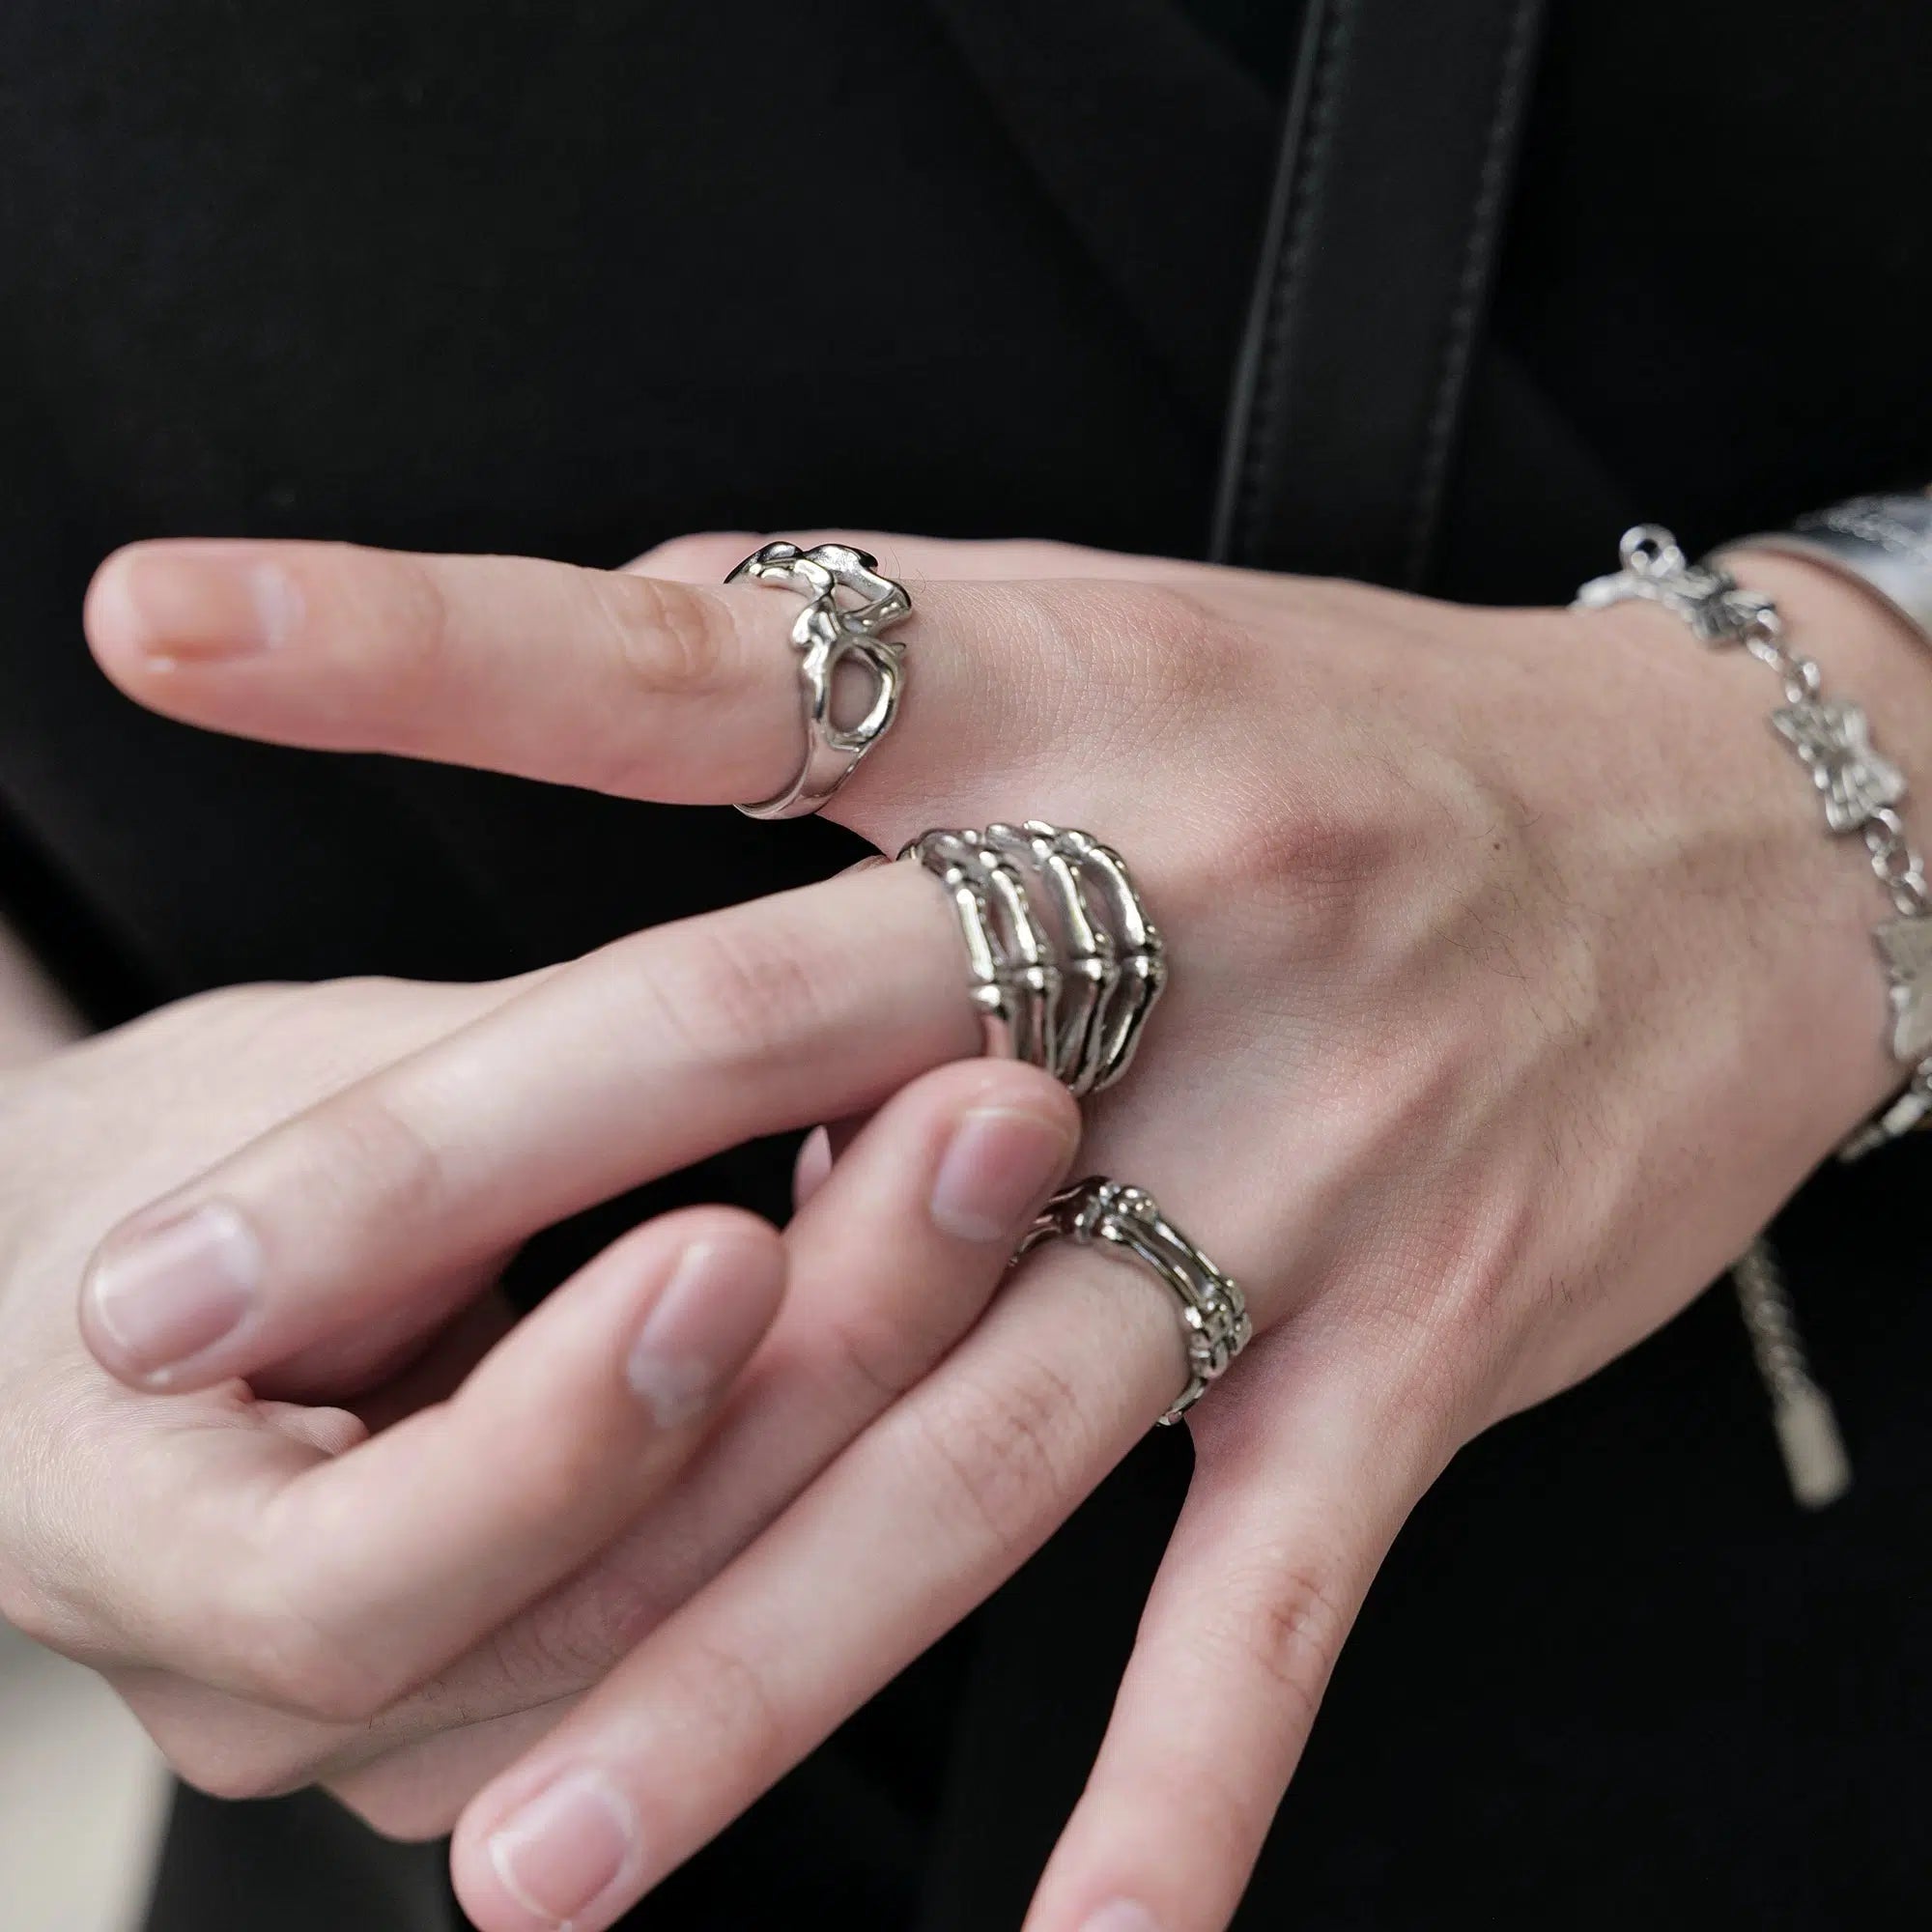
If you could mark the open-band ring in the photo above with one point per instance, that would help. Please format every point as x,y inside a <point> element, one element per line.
<point>1064,964</point>
<point>1214,1321</point>
<point>847,609</point>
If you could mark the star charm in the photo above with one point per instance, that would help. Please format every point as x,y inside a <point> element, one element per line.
<point>1835,741</point>
<point>1906,944</point>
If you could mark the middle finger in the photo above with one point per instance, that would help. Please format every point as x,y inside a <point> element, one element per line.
<point>891,1263</point>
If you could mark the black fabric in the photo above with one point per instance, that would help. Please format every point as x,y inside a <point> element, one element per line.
<point>299,1864</point>
<point>1259,32</point>
<point>1374,285</point>
<point>531,282</point>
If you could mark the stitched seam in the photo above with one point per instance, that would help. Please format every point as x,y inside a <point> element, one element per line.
<point>1264,416</point>
<point>1459,339</point>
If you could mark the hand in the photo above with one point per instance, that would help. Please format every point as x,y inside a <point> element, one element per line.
<point>265,1579</point>
<point>1513,990</point>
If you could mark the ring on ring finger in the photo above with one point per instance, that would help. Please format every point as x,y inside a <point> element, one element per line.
<point>1214,1319</point>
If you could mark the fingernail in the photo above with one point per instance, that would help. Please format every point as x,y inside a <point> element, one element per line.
<point>566,1848</point>
<point>173,1290</point>
<point>176,608</point>
<point>1122,1916</point>
<point>703,1325</point>
<point>814,1164</point>
<point>998,1160</point>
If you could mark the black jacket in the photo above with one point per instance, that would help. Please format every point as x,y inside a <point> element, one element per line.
<point>530,282</point>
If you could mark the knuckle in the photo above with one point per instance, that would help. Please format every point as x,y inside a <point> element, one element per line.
<point>734,994</point>
<point>1273,1635</point>
<point>362,1156</point>
<point>285,1659</point>
<point>1224,1807</point>
<point>1107,665</point>
<point>1288,1631</point>
<point>1183,646</point>
<point>410,647</point>
<point>1328,844</point>
<point>1181,619</point>
<point>221,1753</point>
<point>1334,841</point>
<point>735,1705</point>
<point>311,1679</point>
<point>667,640</point>
<point>571,1639</point>
<point>1220,1809</point>
<point>1003,1453</point>
<point>868,1356</point>
<point>1317,851</point>
<point>880,1350</point>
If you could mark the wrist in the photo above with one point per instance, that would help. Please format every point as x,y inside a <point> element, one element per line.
<point>1813,900</point>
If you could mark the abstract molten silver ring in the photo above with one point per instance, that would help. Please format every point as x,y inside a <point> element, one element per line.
<point>1214,1317</point>
<point>1065,964</point>
<point>848,608</point>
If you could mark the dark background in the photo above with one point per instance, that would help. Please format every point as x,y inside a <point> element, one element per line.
<point>569,278</point>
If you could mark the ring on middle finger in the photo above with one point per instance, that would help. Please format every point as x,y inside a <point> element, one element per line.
<point>1065,965</point>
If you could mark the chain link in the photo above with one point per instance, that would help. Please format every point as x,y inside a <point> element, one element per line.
<point>1899,868</point>
<point>1772,1324</point>
<point>1862,789</point>
<point>1808,1438</point>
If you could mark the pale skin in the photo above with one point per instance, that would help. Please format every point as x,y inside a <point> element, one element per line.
<point>1514,987</point>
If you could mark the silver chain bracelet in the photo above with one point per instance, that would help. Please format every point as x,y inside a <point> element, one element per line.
<point>1862,792</point>
<point>1860,789</point>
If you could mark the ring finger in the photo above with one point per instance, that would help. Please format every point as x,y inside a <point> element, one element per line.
<point>891,1263</point>
<point>920,1520</point>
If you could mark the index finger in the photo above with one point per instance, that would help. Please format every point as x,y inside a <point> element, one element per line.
<point>641,686</point>
<point>644,1058</point>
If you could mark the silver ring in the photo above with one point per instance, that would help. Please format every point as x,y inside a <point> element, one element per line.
<point>1215,1320</point>
<point>828,633</point>
<point>1064,962</point>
